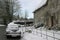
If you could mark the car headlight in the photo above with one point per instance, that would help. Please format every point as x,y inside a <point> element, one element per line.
<point>8,31</point>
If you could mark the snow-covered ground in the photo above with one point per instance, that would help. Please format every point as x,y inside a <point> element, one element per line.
<point>30,36</point>
<point>2,25</point>
<point>47,34</point>
<point>40,34</point>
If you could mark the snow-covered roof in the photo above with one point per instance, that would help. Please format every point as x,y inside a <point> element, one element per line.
<point>40,5</point>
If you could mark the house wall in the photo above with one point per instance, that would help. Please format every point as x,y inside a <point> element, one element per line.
<point>52,8</point>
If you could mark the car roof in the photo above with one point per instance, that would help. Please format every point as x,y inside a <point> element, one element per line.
<point>12,25</point>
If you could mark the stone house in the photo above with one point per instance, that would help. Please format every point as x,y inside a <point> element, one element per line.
<point>49,14</point>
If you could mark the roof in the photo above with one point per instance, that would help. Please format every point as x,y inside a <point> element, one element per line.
<point>40,6</point>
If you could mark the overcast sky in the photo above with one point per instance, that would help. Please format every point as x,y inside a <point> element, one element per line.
<point>31,5</point>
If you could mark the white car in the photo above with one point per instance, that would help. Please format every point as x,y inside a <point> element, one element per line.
<point>13,30</point>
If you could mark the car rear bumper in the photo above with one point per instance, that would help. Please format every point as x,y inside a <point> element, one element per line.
<point>13,35</point>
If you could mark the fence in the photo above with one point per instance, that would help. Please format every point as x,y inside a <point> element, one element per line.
<point>47,34</point>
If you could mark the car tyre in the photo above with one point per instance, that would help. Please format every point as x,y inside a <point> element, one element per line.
<point>19,37</point>
<point>7,37</point>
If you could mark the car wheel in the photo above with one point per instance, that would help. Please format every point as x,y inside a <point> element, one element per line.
<point>19,37</point>
<point>7,37</point>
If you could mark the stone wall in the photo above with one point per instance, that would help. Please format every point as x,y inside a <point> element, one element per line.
<point>52,8</point>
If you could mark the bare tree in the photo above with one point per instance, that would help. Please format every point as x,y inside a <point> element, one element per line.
<point>7,9</point>
<point>26,14</point>
<point>10,7</point>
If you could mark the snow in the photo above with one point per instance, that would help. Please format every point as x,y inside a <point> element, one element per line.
<point>38,34</point>
<point>30,36</point>
<point>2,25</point>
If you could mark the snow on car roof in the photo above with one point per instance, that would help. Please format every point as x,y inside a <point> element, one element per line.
<point>12,23</point>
